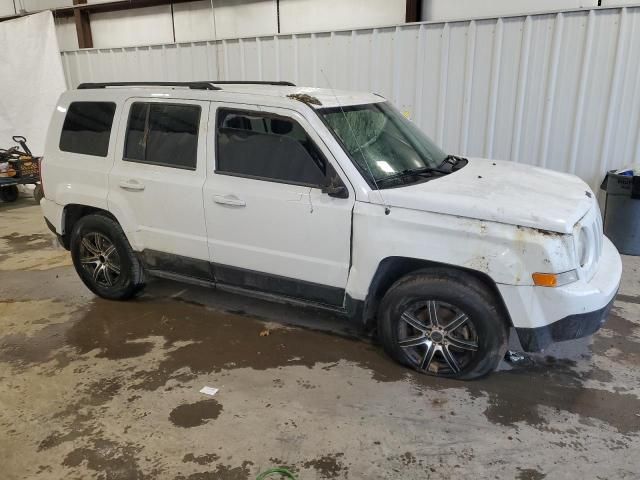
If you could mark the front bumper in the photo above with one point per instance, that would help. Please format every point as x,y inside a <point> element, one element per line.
<point>568,328</point>
<point>543,315</point>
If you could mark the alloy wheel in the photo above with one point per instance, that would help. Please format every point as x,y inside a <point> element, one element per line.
<point>99,257</point>
<point>438,337</point>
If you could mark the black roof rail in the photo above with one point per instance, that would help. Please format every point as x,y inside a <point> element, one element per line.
<point>191,85</point>
<point>257,82</point>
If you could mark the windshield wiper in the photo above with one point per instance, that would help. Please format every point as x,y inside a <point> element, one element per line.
<point>418,172</point>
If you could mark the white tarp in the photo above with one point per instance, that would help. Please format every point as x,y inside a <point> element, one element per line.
<point>31,79</point>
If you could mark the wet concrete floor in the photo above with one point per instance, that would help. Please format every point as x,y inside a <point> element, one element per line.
<point>108,390</point>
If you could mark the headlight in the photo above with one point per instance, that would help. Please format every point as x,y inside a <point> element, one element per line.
<point>554,279</point>
<point>582,247</point>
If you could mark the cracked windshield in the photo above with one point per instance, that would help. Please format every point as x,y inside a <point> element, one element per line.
<point>382,143</point>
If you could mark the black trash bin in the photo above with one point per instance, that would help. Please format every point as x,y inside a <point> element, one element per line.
<point>622,211</point>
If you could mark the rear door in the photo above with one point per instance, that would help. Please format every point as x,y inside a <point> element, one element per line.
<point>155,186</point>
<point>270,227</point>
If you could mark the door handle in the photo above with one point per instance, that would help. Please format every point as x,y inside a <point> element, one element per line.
<point>229,200</point>
<point>131,185</point>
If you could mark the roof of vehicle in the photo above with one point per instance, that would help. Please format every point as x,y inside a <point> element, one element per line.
<point>314,97</point>
<point>326,96</point>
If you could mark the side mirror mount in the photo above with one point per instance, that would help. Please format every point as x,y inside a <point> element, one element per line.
<point>334,186</point>
<point>336,191</point>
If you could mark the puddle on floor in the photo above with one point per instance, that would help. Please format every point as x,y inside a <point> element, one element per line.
<point>199,341</point>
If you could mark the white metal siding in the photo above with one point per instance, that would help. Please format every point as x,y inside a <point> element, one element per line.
<point>232,18</point>
<point>66,33</point>
<point>557,90</point>
<point>447,10</point>
<point>139,26</point>
<point>310,15</point>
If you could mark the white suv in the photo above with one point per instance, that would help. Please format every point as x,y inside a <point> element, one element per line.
<point>331,199</point>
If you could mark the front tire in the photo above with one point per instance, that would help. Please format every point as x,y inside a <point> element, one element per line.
<point>104,259</point>
<point>443,323</point>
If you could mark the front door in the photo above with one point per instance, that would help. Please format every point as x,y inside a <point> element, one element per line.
<point>155,186</point>
<point>269,226</point>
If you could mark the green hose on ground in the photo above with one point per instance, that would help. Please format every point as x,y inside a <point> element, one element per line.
<point>279,470</point>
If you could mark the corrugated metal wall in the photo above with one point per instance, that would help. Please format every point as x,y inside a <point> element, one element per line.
<point>557,90</point>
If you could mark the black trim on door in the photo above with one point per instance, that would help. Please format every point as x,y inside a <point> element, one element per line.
<point>158,263</point>
<point>168,262</point>
<point>289,287</point>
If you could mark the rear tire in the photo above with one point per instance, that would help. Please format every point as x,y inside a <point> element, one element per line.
<point>9,194</point>
<point>104,259</point>
<point>443,323</point>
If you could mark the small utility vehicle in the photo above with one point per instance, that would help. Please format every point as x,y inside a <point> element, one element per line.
<point>325,198</point>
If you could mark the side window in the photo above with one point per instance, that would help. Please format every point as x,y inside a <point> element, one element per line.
<point>163,134</point>
<point>87,128</point>
<point>266,146</point>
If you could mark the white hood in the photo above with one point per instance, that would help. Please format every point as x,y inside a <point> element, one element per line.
<point>500,191</point>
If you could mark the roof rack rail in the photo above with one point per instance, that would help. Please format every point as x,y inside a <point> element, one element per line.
<point>257,82</point>
<point>191,85</point>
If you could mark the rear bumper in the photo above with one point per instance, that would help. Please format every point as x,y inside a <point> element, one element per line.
<point>52,214</point>
<point>542,315</point>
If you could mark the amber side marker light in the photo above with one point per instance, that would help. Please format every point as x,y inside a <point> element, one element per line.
<point>545,279</point>
<point>554,279</point>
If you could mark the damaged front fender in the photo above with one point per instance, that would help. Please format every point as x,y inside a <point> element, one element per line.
<point>508,254</point>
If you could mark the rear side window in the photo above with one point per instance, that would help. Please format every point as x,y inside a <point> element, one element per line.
<point>267,147</point>
<point>163,134</point>
<point>87,128</point>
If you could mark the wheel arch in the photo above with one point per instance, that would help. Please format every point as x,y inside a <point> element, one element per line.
<point>72,213</point>
<point>391,269</point>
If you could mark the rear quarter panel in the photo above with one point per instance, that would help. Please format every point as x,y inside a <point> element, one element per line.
<point>72,178</point>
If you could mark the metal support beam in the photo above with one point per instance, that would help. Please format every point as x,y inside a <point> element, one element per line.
<point>83,27</point>
<point>115,6</point>
<point>413,11</point>
<point>101,7</point>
